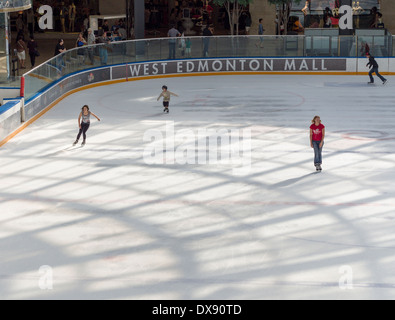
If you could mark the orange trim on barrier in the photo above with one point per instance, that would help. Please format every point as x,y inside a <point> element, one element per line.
<point>46,79</point>
<point>110,82</point>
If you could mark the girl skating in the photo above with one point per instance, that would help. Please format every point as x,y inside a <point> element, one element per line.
<point>166,98</point>
<point>85,116</point>
<point>317,136</point>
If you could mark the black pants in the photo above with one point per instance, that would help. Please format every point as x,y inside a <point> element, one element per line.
<point>83,130</point>
<point>32,58</point>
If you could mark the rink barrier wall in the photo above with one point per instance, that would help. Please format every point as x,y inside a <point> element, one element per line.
<point>10,118</point>
<point>8,92</point>
<point>53,93</point>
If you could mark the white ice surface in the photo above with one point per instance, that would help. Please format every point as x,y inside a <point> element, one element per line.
<point>111,226</point>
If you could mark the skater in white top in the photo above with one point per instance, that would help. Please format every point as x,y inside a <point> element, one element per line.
<point>166,98</point>
<point>85,115</point>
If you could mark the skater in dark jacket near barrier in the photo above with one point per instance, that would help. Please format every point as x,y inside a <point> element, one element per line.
<point>317,136</point>
<point>374,69</point>
<point>84,125</point>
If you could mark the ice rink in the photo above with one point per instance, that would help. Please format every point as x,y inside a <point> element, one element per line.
<point>103,222</point>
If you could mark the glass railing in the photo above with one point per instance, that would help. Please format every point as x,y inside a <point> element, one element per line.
<point>87,57</point>
<point>14,5</point>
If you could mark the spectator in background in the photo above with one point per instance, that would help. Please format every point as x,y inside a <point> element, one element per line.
<point>188,51</point>
<point>297,26</point>
<point>173,34</point>
<point>80,42</point>
<point>86,22</point>
<point>279,28</point>
<point>21,52</point>
<point>20,26</point>
<point>30,21</point>
<point>115,26</point>
<point>375,17</point>
<point>327,21</point>
<point>103,49</point>
<point>327,18</point>
<point>122,32</point>
<point>59,49</point>
<point>105,26</point>
<point>91,40</point>
<point>32,46</point>
<point>207,33</point>
<point>91,37</point>
<point>260,32</point>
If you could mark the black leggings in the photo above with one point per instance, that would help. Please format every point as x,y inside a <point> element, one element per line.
<point>32,58</point>
<point>83,130</point>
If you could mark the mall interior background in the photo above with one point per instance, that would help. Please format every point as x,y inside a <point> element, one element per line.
<point>159,14</point>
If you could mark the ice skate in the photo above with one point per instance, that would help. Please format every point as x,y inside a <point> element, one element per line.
<point>75,142</point>
<point>385,81</point>
<point>83,143</point>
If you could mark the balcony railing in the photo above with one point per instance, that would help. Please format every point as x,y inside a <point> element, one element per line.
<point>127,52</point>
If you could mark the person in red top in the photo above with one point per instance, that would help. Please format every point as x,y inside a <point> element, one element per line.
<point>317,136</point>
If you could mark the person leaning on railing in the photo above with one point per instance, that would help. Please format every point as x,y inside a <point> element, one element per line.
<point>80,42</point>
<point>59,49</point>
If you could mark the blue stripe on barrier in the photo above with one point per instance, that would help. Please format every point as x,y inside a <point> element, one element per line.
<point>5,107</point>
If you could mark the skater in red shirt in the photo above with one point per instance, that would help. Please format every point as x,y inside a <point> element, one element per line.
<point>317,136</point>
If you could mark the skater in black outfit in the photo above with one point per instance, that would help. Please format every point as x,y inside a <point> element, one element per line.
<point>374,69</point>
<point>84,125</point>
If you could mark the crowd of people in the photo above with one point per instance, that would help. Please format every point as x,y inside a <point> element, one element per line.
<point>328,17</point>
<point>73,16</point>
